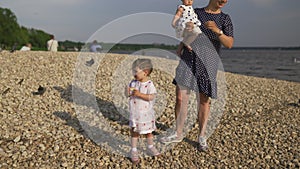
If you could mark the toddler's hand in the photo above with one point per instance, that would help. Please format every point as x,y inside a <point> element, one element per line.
<point>135,93</point>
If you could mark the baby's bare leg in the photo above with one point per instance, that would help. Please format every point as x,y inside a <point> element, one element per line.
<point>179,49</point>
<point>188,39</point>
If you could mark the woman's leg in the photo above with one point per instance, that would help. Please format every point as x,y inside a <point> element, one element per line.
<point>203,113</point>
<point>181,108</point>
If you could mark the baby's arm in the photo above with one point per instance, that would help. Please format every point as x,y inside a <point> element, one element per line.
<point>177,16</point>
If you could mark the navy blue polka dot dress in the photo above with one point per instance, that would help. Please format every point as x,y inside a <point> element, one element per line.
<point>197,70</point>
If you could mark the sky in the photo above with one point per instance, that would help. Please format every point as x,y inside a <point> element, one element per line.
<point>257,23</point>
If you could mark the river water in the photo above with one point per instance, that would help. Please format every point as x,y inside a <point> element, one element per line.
<point>278,64</point>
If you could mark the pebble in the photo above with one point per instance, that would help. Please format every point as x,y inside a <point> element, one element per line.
<point>17,139</point>
<point>56,148</point>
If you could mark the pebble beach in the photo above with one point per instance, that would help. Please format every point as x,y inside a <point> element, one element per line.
<point>259,128</point>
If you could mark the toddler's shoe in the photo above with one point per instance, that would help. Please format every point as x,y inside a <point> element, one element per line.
<point>153,151</point>
<point>134,156</point>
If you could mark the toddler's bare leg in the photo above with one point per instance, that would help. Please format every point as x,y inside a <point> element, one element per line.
<point>150,139</point>
<point>134,139</point>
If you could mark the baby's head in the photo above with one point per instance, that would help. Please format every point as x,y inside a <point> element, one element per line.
<point>187,2</point>
<point>142,65</point>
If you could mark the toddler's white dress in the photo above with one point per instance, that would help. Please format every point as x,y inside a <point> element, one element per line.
<point>142,115</point>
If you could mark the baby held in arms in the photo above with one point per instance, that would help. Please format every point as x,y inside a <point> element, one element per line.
<point>186,24</point>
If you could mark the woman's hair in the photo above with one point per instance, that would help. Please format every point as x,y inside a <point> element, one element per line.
<point>143,64</point>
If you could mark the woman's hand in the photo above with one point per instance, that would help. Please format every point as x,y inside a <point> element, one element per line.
<point>212,26</point>
<point>226,41</point>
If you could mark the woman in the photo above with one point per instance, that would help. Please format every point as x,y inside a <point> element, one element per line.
<point>197,70</point>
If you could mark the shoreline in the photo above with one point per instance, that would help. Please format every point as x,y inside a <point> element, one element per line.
<point>258,127</point>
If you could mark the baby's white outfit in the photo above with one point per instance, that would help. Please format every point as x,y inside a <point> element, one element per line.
<point>188,15</point>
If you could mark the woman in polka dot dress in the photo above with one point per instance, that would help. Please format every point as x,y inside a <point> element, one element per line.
<point>141,92</point>
<point>197,70</point>
<point>186,24</point>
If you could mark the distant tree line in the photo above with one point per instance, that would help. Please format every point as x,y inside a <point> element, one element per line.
<point>12,34</point>
<point>121,47</point>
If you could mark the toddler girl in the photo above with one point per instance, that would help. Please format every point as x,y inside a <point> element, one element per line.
<point>141,92</point>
